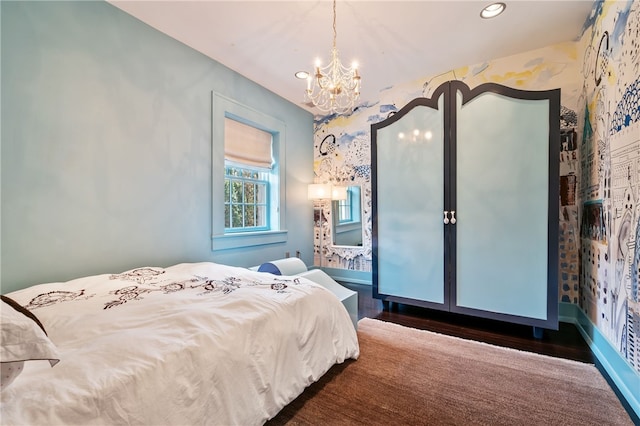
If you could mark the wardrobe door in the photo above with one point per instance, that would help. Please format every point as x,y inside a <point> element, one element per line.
<point>408,179</point>
<point>503,206</point>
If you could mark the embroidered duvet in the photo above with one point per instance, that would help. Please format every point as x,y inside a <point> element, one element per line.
<point>190,344</point>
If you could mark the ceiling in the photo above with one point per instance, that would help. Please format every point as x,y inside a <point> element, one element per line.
<point>393,41</point>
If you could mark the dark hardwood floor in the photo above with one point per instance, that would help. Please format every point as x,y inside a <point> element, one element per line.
<point>563,343</point>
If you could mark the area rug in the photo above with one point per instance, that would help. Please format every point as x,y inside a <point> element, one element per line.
<point>406,376</point>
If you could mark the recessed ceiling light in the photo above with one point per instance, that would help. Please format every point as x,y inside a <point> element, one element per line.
<point>302,75</point>
<point>493,10</point>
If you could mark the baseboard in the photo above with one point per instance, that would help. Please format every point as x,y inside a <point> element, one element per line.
<point>349,276</point>
<point>620,372</point>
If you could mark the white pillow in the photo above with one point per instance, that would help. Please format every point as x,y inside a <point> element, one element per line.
<point>22,338</point>
<point>9,371</point>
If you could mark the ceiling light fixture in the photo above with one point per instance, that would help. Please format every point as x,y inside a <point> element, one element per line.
<point>302,75</point>
<point>334,88</point>
<point>493,10</point>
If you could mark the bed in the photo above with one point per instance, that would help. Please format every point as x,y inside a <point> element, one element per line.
<point>194,343</point>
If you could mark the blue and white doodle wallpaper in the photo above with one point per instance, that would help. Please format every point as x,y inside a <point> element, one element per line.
<point>599,162</point>
<point>609,187</point>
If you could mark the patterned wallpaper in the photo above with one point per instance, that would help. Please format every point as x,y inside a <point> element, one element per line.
<point>599,162</point>
<point>609,184</point>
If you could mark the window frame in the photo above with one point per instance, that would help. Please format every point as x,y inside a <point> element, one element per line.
<point>221,108</point>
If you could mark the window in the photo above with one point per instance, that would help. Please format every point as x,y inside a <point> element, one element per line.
<point>245,195</point>
<point>349,209</point>
<point>248,178</point>
<point>344,210</point>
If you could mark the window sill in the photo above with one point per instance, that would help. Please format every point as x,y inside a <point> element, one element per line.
<point>346,227</point>
<point>247,239</point>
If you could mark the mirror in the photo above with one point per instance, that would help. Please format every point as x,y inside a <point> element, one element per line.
<point>347,219</point>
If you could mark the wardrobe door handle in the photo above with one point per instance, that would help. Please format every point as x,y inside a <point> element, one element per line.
<point>446,217</point>
<point>453,217</point>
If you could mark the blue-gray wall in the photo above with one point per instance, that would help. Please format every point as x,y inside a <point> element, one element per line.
<point>106,147</point>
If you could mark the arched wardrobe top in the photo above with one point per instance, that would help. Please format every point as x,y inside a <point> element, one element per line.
<point>468,94</point>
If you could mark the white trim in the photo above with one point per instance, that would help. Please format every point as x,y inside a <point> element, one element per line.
<point>221,108</point>
<point>247,239</point>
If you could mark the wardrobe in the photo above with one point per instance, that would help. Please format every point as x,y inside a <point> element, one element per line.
<point>465,194</point>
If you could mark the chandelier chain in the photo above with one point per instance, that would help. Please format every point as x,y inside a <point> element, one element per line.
<point>335,31</point>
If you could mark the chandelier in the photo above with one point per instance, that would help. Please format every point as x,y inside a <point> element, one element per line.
<point>334,88</point>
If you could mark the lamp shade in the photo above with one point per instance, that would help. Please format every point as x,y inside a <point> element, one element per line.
<point>339,193</point>
<point>319,191</point>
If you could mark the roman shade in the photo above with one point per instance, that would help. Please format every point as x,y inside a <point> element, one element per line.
<point>247,145</point>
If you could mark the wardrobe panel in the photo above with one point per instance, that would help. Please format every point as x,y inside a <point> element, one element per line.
<point>502,205</point>
<point>409,205</point>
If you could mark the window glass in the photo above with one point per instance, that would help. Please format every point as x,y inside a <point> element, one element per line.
<point>246,205</point>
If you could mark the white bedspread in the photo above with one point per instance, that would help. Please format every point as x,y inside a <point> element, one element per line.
<point>190,344</point>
